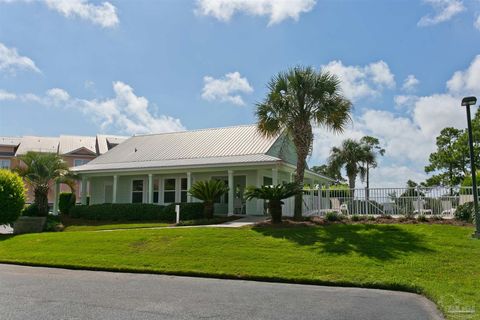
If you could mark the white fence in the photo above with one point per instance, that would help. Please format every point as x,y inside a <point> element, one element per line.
<point>382,201</point>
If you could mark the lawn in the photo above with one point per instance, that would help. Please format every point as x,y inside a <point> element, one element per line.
<point>102,225</point>
<point>439,261</point>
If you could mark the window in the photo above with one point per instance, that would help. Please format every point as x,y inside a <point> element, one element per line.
<point>267,181</point>
<point>169,191</point>
<point>223,198</point>
<point>183,190</point>
<point>80,162</point>
<point>5,164</point>
<point>155,190</point>
<point>137,191</point>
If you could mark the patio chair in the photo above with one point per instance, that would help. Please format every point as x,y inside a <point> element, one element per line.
<point>447,208</point>
<point>238,206</point>
<point>419,207</point>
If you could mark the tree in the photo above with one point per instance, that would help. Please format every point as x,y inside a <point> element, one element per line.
<point>208,191</point>
<point>329,172</point>
<point>12,196</point>
<point>352,155</point>
<point>40,170</point>
<point>373,144</point>
<point>274,195</point>
<point>297,99</point>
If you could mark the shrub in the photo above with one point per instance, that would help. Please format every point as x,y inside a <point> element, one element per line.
<point>117,211</point>
<point>422,218</point>
<point>66,201</point>
<point>208,191</point>
<point>12,196</point>
<point>53,224</point>
<point>31,210</point>
<point>334,216</point>
<point>188,211</point>
<point>464,212</point>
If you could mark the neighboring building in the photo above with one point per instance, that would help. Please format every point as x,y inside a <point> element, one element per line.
<point>160,168</point>
<point>75,150</point>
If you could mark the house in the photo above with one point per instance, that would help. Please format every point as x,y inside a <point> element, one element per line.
<point>160,168</point>
<point>75,150</point>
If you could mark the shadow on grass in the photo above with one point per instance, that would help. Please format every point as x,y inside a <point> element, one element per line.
<point>382,242</point>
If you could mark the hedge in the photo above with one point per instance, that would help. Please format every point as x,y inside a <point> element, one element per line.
<point>136,211</point>
<point>12,196</point>
<point>66,201</point>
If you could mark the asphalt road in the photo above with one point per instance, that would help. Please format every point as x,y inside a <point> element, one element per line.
<point>45,293</point>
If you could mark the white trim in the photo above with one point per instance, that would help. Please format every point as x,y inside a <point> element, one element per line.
<point>143,189</point>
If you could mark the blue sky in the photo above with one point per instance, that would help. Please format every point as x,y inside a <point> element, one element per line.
<point>126,67</point>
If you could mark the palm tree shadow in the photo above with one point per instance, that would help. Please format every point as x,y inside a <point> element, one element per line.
<point>381,242</point>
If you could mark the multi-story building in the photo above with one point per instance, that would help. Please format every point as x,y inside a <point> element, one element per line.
<point>75,150</point>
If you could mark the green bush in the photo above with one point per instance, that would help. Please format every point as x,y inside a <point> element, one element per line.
<point>422,218</point>
<point>136,212</point>
<point>66,201</point>
<point>31,210</point>
<point>464,212</point>
<point>12,196</point>
<point>334,216</point>
<point>53,224</point>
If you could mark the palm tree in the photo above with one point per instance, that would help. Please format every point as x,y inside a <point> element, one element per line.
<point>41,170</point>
<point>274,194</point>
<point>208,191</point>
<point>298,99</point>
<point>352,155</point>
<point>373,144</point>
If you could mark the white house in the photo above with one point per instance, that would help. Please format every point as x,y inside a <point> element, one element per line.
<point>160,168</point>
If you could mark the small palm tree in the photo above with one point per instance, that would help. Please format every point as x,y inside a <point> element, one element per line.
<point>352,155</point>
<point>208,191</point>
<point>40,170</point>
<point>298,99</point>
<point>274,195</point>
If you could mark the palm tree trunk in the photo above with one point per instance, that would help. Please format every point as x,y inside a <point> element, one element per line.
<point>367,194</point>
<point>41,200</point>
<point>275,208</point>
<point>351,185</point>
<point>208,209</point>
<point>299,175</point>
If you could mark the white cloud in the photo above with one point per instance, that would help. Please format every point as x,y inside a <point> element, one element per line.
<point>362,81</point>
<point>277,10</point>
<point>477,22</point>
<point>11,60</point>
<point>58,95</point>
<point>5,95</point>
<point>444,11</point>
<point>104,14</point>
<point>405,101</point>
<point>226,89</point>
<point>466,82</point>
<point>410,83</point>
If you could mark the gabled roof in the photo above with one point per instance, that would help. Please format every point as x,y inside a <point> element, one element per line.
<point>239,144</point>
<point>10,141</point>
<point>70,144</point>
<point>106,142</point>
<point>39,144</point>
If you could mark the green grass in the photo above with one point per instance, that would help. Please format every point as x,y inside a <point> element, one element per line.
<point>439,261</point>
<point>100,225</point>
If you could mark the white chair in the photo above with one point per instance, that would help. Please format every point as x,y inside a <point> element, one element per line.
<point>419,207</point>
<point>447,208</point>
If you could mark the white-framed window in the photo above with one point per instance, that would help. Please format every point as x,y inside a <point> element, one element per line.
<point>137,191</point>
<point>183,189</point>
<point>169,190</point>
<point>156,190</point>
<point>5,163</point>
<point>80,162</point>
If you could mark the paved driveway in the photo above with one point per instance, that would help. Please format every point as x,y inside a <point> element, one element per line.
<point>44,293</point>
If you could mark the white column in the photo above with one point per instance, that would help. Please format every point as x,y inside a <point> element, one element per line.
<point>189,185</point>
<point>56,195</point>
<point>150,188</point>
<point>231,192</point>
<point>259,184</point>
<point>275,176</point>
<point>114,189</point>
<point>84,190</point>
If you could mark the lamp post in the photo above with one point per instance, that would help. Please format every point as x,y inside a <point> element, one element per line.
<point>467,102</point>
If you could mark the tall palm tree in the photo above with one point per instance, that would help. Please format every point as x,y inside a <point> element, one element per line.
<point>299,98</point>
<point>373,144</point>
<point>352,155</point>
<point>41,170</point>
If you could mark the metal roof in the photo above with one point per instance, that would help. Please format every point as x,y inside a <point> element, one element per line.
<point>105,140</point>
<point>239,144</point>
<point>69,144</point>
<point>39,144</point>
<point>10,141</point>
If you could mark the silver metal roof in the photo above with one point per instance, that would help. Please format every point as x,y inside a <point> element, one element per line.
<point>39,144</point>
<point>239,144</point>
<point>10,141</point>
<point>104,141</point>
<point>70,144</point>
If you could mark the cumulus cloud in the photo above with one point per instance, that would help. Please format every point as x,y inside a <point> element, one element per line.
<point>276,10</point>
<point>476,24</point>
<point>362,81</point>
<point>11,60</point>
<point>226,89</point>
<point>104,14</point>
<point>468,81</point>
<point>444,11</point>
<point>5,95</point>
<point>410,83</point>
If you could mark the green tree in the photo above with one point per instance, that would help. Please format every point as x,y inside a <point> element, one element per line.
<point>352,155</point>
<point>274,195</point>
<point>297,99</point>
<point>12,196</point>
<point>329,172</point>
<point>208,191</point>
<point>373,145</point>
<point>41,170</point>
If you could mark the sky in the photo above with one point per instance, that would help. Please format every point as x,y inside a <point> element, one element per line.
<point>83,67</point>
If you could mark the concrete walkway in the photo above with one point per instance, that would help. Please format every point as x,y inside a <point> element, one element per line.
<point>45,293</point>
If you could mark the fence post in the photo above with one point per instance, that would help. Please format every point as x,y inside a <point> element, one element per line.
<point>367,201</point>
<point>177,211</point>
<point>320,198</point>
<point>418,200</point>
<point>327,192</point>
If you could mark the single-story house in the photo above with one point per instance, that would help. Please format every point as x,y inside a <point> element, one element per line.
<point>160,168</point>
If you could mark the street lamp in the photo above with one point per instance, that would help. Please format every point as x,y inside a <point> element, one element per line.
<point>467,102</point>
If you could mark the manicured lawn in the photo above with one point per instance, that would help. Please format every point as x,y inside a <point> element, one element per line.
<point>440,261</point>
<point>96,225</point>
